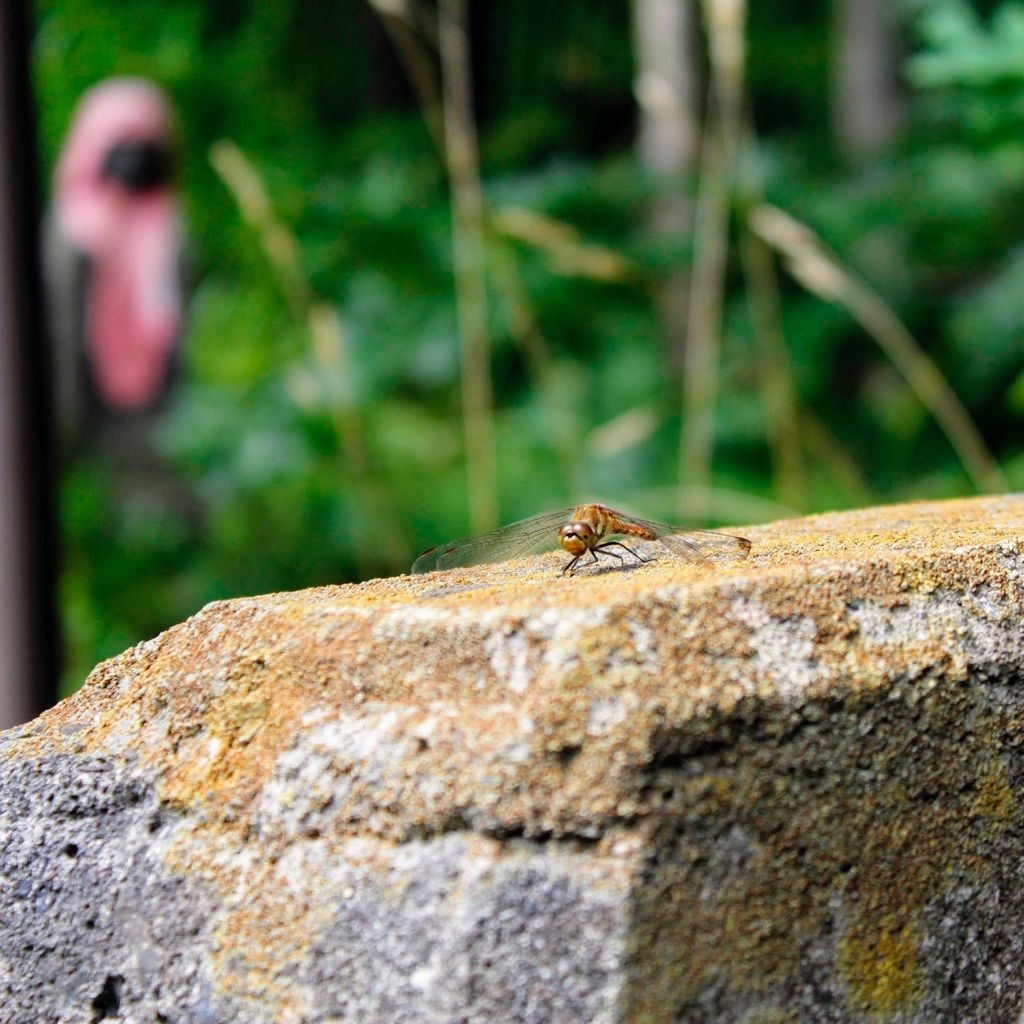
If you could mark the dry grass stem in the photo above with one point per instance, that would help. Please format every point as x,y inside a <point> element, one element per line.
<point>821,273</point>
<point>724,23</point>
<point>414,38</point>
<point>704,324</point>
<point>247,189</point>
<point>668,142</point>
<point>774,367</point>
<point>558,401</point>
<point>327,344</point>
<point>470,283</point>
<point>566,251</point>
<point>774,371</point>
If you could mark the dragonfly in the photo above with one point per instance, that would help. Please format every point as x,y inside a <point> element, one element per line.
<point>582,530</point>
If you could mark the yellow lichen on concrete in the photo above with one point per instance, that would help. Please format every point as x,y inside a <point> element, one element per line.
<point>996,803</point>
<point>880,967</point>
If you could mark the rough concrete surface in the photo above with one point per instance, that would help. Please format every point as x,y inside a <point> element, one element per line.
<point>780,791</point>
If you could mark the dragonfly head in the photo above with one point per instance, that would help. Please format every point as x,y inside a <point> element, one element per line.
<point>577,538</point>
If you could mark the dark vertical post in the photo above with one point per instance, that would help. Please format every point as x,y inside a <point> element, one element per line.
<point>28,635</point>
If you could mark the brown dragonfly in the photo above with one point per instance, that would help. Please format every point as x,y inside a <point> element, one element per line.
<point>586,529</point>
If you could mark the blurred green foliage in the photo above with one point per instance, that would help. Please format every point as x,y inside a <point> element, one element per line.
<point>587,397</point>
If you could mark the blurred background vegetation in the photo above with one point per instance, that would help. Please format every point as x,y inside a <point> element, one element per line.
<point>723,265</point>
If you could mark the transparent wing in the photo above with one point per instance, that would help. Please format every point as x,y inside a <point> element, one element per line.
<point>526,537</point>
<point>699,545</point>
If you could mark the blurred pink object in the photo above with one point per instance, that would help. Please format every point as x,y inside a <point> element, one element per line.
<point>114,203</point>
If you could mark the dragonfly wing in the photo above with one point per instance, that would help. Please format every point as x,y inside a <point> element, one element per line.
<point>694,545</point>
<point>525,537</point>
<point>704,544</point>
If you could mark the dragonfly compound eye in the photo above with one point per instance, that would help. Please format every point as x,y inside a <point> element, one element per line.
<point>571,539</point>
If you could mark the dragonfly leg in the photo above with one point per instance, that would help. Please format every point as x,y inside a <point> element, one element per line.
<point>594,559</point>
<point>618,543</point>
<point>568,567</point>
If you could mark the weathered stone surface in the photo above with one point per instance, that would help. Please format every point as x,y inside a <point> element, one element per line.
<point>785,790</point>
